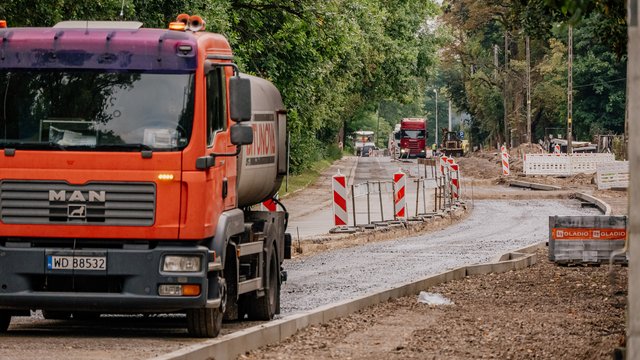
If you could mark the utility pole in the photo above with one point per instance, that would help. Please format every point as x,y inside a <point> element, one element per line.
<point>528,92</point>
<point>633,239</point>
<point>437,130</point>
<point>505,92</point>
<point>378,126</point>
<point>570,93</point>
<point>450,124</point>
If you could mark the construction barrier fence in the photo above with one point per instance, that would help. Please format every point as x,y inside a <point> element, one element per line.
<point>564,164</point>
<point>612,175</point>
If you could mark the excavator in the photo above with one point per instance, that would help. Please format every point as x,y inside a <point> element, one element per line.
<point>451,143</point>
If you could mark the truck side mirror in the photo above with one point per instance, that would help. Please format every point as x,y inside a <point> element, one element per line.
<point>240,99</point>
<point>241,135</point>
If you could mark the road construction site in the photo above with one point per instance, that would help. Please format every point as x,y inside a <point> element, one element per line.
<point>328,271</point>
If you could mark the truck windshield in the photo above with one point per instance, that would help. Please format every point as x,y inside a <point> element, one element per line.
<point>95,110</point>
<point>413,134</point>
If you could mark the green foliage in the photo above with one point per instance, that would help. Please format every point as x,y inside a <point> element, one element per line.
<point>492,86</point>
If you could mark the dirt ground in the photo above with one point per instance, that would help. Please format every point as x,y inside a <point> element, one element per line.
<point>543,312</point>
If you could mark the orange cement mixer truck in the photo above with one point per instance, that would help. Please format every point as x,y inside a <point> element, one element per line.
<point>130,162</point>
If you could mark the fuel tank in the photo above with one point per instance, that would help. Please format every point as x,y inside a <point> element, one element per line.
<point>262,165</point>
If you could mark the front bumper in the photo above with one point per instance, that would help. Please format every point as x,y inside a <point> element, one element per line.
<point>128,284</point>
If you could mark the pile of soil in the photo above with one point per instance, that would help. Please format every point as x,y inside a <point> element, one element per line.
<point>546,311</point>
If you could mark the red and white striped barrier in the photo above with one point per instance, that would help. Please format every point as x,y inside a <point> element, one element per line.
<point>455,185</point>
<point>450,161</point>
<point>400,184</point>
<point>443,164</point>
<point>505,162</point>
<point>339,185</point>
<point>556,149</point>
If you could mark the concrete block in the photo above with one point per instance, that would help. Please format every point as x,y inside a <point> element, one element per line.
<point>459,273</point>
<point>336,310</point>
<point>289,325</point>
<point>426,283</point>
<point>313,318</point>
<point>502,267</point>
<point>479,269</point>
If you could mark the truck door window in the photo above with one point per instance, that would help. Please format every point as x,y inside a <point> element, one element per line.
<point>216,103</point>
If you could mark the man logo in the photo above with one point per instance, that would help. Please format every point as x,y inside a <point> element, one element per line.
<point>77,211</point>
<point>78,196</point>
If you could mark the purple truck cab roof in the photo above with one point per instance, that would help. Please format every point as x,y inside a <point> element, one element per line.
<point>154,50</point>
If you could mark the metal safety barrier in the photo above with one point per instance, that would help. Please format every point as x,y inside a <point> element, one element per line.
<point>436,179</point>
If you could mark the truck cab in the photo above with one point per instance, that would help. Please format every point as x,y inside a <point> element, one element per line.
<point>413,137</point>
<point>128,164</point>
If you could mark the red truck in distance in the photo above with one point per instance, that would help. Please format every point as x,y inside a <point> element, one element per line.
<point>413,137</point>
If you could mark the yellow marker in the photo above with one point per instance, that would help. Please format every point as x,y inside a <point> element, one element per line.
<point>165,177</point>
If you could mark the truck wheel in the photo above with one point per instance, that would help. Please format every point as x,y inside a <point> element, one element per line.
<point>5,320</point>
<point>265,308</point>
<point>206,323</point>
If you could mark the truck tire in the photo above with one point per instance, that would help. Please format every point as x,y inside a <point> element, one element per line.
<point>5,320</point>
<point>204,323</point>
<point>264,308</point>
<point>207,322</point>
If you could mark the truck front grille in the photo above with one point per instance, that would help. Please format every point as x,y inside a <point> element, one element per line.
<point>44,202</point>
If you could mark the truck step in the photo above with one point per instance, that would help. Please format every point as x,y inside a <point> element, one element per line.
<point>250,248</point>
<point>249,285</point>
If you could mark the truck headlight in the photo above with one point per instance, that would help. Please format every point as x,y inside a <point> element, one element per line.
<point>181,263</point>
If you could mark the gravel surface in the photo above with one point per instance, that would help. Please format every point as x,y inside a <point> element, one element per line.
<point>543,312</point>
<point>493,228</point>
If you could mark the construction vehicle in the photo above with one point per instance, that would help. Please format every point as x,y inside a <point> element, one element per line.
<point>451,143</point>
<point>413,137</point>
<point>364,141</point>
<point>131,158</point>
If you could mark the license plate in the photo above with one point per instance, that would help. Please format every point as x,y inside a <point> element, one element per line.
<point>55,262</point>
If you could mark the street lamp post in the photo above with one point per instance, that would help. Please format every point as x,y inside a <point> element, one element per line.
<point>436,91</point>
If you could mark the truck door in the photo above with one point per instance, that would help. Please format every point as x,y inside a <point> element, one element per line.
<point>217,139</point>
